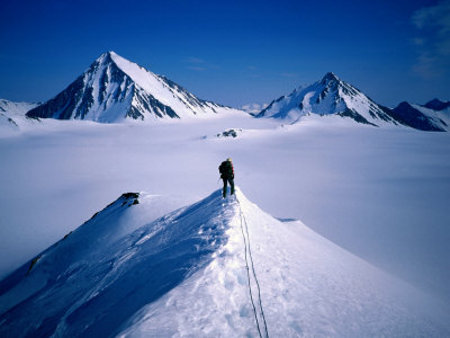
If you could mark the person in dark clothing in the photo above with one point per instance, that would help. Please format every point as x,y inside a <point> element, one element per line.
<point>227,175</point>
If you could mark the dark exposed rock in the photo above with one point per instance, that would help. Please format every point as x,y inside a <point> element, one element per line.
<point>437,104</point>
<point>130,195</point>
<point>62,105</point>
<point>233,132</point>
<point>67,235</point>
<point>357,117</point>
<point>33,263</point>
<point>410,116</point>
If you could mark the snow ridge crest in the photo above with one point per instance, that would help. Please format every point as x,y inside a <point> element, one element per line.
<point>134,269</point>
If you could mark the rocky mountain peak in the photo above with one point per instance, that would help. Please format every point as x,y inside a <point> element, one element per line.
<point>437,104</point>
<point>114,88</point>
<point>330,77</point>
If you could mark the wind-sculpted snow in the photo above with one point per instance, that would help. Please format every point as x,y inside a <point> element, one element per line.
<point>217,268</point>
<point>94,279</point>
<point>308,287</point>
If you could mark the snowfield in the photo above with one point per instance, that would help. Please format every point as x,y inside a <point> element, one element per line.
<point>368,257</point>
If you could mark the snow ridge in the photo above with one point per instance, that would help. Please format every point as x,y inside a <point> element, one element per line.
<point>111,254</point>
<point>259,314</point>
<point>130,271</point>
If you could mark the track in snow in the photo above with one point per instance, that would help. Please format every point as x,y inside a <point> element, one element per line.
<point>248,254</point>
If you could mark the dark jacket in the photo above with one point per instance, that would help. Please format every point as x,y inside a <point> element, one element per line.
<point>226,170</point>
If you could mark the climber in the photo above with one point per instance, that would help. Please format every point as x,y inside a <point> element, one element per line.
<point>227,175</point>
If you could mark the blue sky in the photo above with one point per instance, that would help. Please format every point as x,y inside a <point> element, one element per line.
<point>232,52</point>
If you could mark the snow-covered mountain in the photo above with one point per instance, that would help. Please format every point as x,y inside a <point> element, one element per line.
<point>12,108</point>
<point>438,105</point>
<point>113,89</point>
<point>215,268</point>
<point>329,96</point>
<point>12,114</point>
<point>7,123</point>
<point>424,117</point>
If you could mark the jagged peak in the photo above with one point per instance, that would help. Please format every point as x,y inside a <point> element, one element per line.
<point>112,58</point>
<point>103,57</point>
<point>404,104</point>
<point>435,100</point>
<point>107,54</point>
<point>330,76</point>
<point>130,68</point>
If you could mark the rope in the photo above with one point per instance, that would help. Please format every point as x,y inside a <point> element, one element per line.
<point>256,279</point>
<point>247,248</point>
<point>249,278</point>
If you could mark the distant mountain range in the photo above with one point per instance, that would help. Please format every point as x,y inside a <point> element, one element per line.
<point>328,96</point>
<point>433,116</point>
<point>114,89</point>
<point>332,96</point>
<point>15,108</point>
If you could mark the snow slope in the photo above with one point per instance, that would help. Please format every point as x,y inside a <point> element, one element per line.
<point>7,124</point>
<point>77,265</point>
<point>423,118</point>
<point>329,96</point>
<point>12,108</point>
<point>113,89</point>
<point>215,268</point>
<point>12,115</point>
